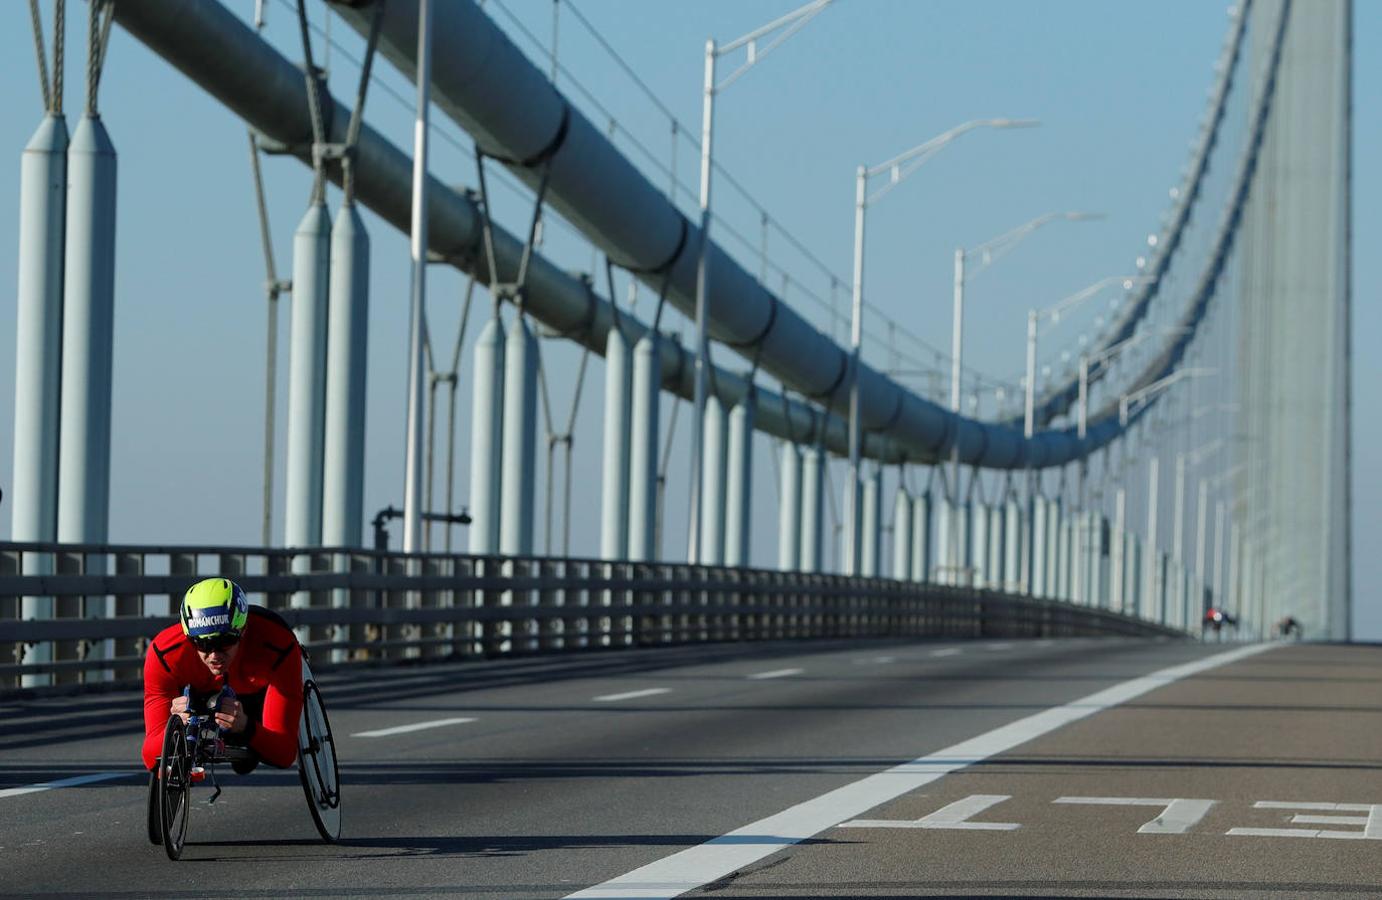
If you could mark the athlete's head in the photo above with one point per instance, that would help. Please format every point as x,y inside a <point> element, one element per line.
<point>213,615</point>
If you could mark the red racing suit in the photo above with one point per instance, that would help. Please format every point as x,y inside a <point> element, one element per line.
<point>268,663</point>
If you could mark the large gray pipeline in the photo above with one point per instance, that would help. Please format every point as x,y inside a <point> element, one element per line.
<point>486,84</point>
<point>211,46</point>
<point>223,55</point>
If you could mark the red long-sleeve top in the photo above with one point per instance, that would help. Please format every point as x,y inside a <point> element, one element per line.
<point>269,659</point>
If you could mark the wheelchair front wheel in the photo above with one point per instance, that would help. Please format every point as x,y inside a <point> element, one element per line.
<point>317,764</point>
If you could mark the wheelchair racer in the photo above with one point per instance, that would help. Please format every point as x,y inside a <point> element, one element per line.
<point>221,641</point>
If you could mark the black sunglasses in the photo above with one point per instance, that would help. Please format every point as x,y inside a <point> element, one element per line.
<point>215,642</point>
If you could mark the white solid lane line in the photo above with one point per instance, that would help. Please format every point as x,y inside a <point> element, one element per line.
<point>948,651</point>
<point>697,866</point>
<point>632,695</point>
<point>416,726</point>
<point>63,782</point>
<point>775,673</point>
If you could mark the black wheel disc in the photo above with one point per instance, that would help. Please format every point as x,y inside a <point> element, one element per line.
<point>174,788</point>
<point>317,765</point>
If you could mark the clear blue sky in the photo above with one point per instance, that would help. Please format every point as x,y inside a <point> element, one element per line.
<point>1119,89</point>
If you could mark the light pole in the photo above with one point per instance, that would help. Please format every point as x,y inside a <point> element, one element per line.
<point>1103,356</point>
<point>788,25</point>
<point>897,168</point>
<point>417,316</point>
<point>1053,313</point>
<point>987,254</point>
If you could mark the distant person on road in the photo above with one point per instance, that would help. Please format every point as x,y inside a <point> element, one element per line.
<point>1288,627</point>
<point>221,641</point>
<point>1215,619</point>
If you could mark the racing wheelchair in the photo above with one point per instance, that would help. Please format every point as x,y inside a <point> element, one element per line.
<point>193,749</point>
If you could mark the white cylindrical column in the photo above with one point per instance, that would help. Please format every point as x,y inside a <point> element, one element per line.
<point>994,568</point>
<point>487,438</point>
<point>964,573</point>
<point>1040,537</point>
<point>1012,546</point>
<point>643,447</point>
<point>715,440</point>
<point>519,466</point>
<point>979,544</point>
<point>307,381</point>
<point>812,493</point>
<point>614,517</point>
<point>1054,523</point>
<point>945,539</point>
<point>871,525</point>
<point>88,332</point>
<point>902,535</point>
<point>789,513</point>
<point>739,492</point>
<point>921,539</point>
<point>347,355</point>
<point>38,362</point>
<point>1117,597</point>
<point>1064,589</point>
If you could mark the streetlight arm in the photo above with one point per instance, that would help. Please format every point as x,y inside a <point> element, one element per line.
<point>904,164</point>
<point>1055,311</point>
<point>989,253</point>
<point>792,23</point>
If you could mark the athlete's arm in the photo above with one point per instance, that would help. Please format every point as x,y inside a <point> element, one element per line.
<point>160,688</point>
<point>275,739</point>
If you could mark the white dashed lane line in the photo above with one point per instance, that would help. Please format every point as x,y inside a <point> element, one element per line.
<point>948,651</point>
<point>632,695</point>
<point>775,673</point>
<point>64,782</point>
<point>416,726</point>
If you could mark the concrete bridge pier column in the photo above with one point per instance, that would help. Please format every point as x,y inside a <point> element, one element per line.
<point>38,363</point>
<point>978,532</point>
<point>1133,584</point>
<point>963,573</point>
<point>1116,550</point>
<point>487,438</point>
<point>614,506</point>
<point>302,522</point>
<point>946,562</point>
<point>871,525</point>
<point>343,468</point>
<point>1053,533</point>
<point>347,353</point>
<point>1040,536</point>
<point>714,445</point>
<point>789,513</point>
<point>902,534</point>
<point>739,491</point>
<point>519,465</point>
<point>921,561</point>
<point>88,346</point>
<point>1013,526</point>
<point>812,493</point>
<point>1063,559</point>
<point>1093,559</point>
<point>995,547</point>
<point>643,449</point>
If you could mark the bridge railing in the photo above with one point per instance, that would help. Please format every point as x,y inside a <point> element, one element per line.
<point>93,608</point>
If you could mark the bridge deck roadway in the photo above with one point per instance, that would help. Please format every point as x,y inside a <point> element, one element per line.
<point>550,776</point>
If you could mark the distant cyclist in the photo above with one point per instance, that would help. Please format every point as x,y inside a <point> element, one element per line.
<point>222,641</point>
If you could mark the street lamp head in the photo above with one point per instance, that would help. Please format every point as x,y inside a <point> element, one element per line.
<point>1083,216</point>
<point>1014,123</point>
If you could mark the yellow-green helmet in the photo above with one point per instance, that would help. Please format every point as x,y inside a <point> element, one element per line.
<point>214,607</point>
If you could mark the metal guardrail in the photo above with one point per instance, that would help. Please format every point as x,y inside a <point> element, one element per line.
<point>353,606</point>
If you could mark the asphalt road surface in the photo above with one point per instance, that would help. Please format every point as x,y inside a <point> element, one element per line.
<point>1054,768</point>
